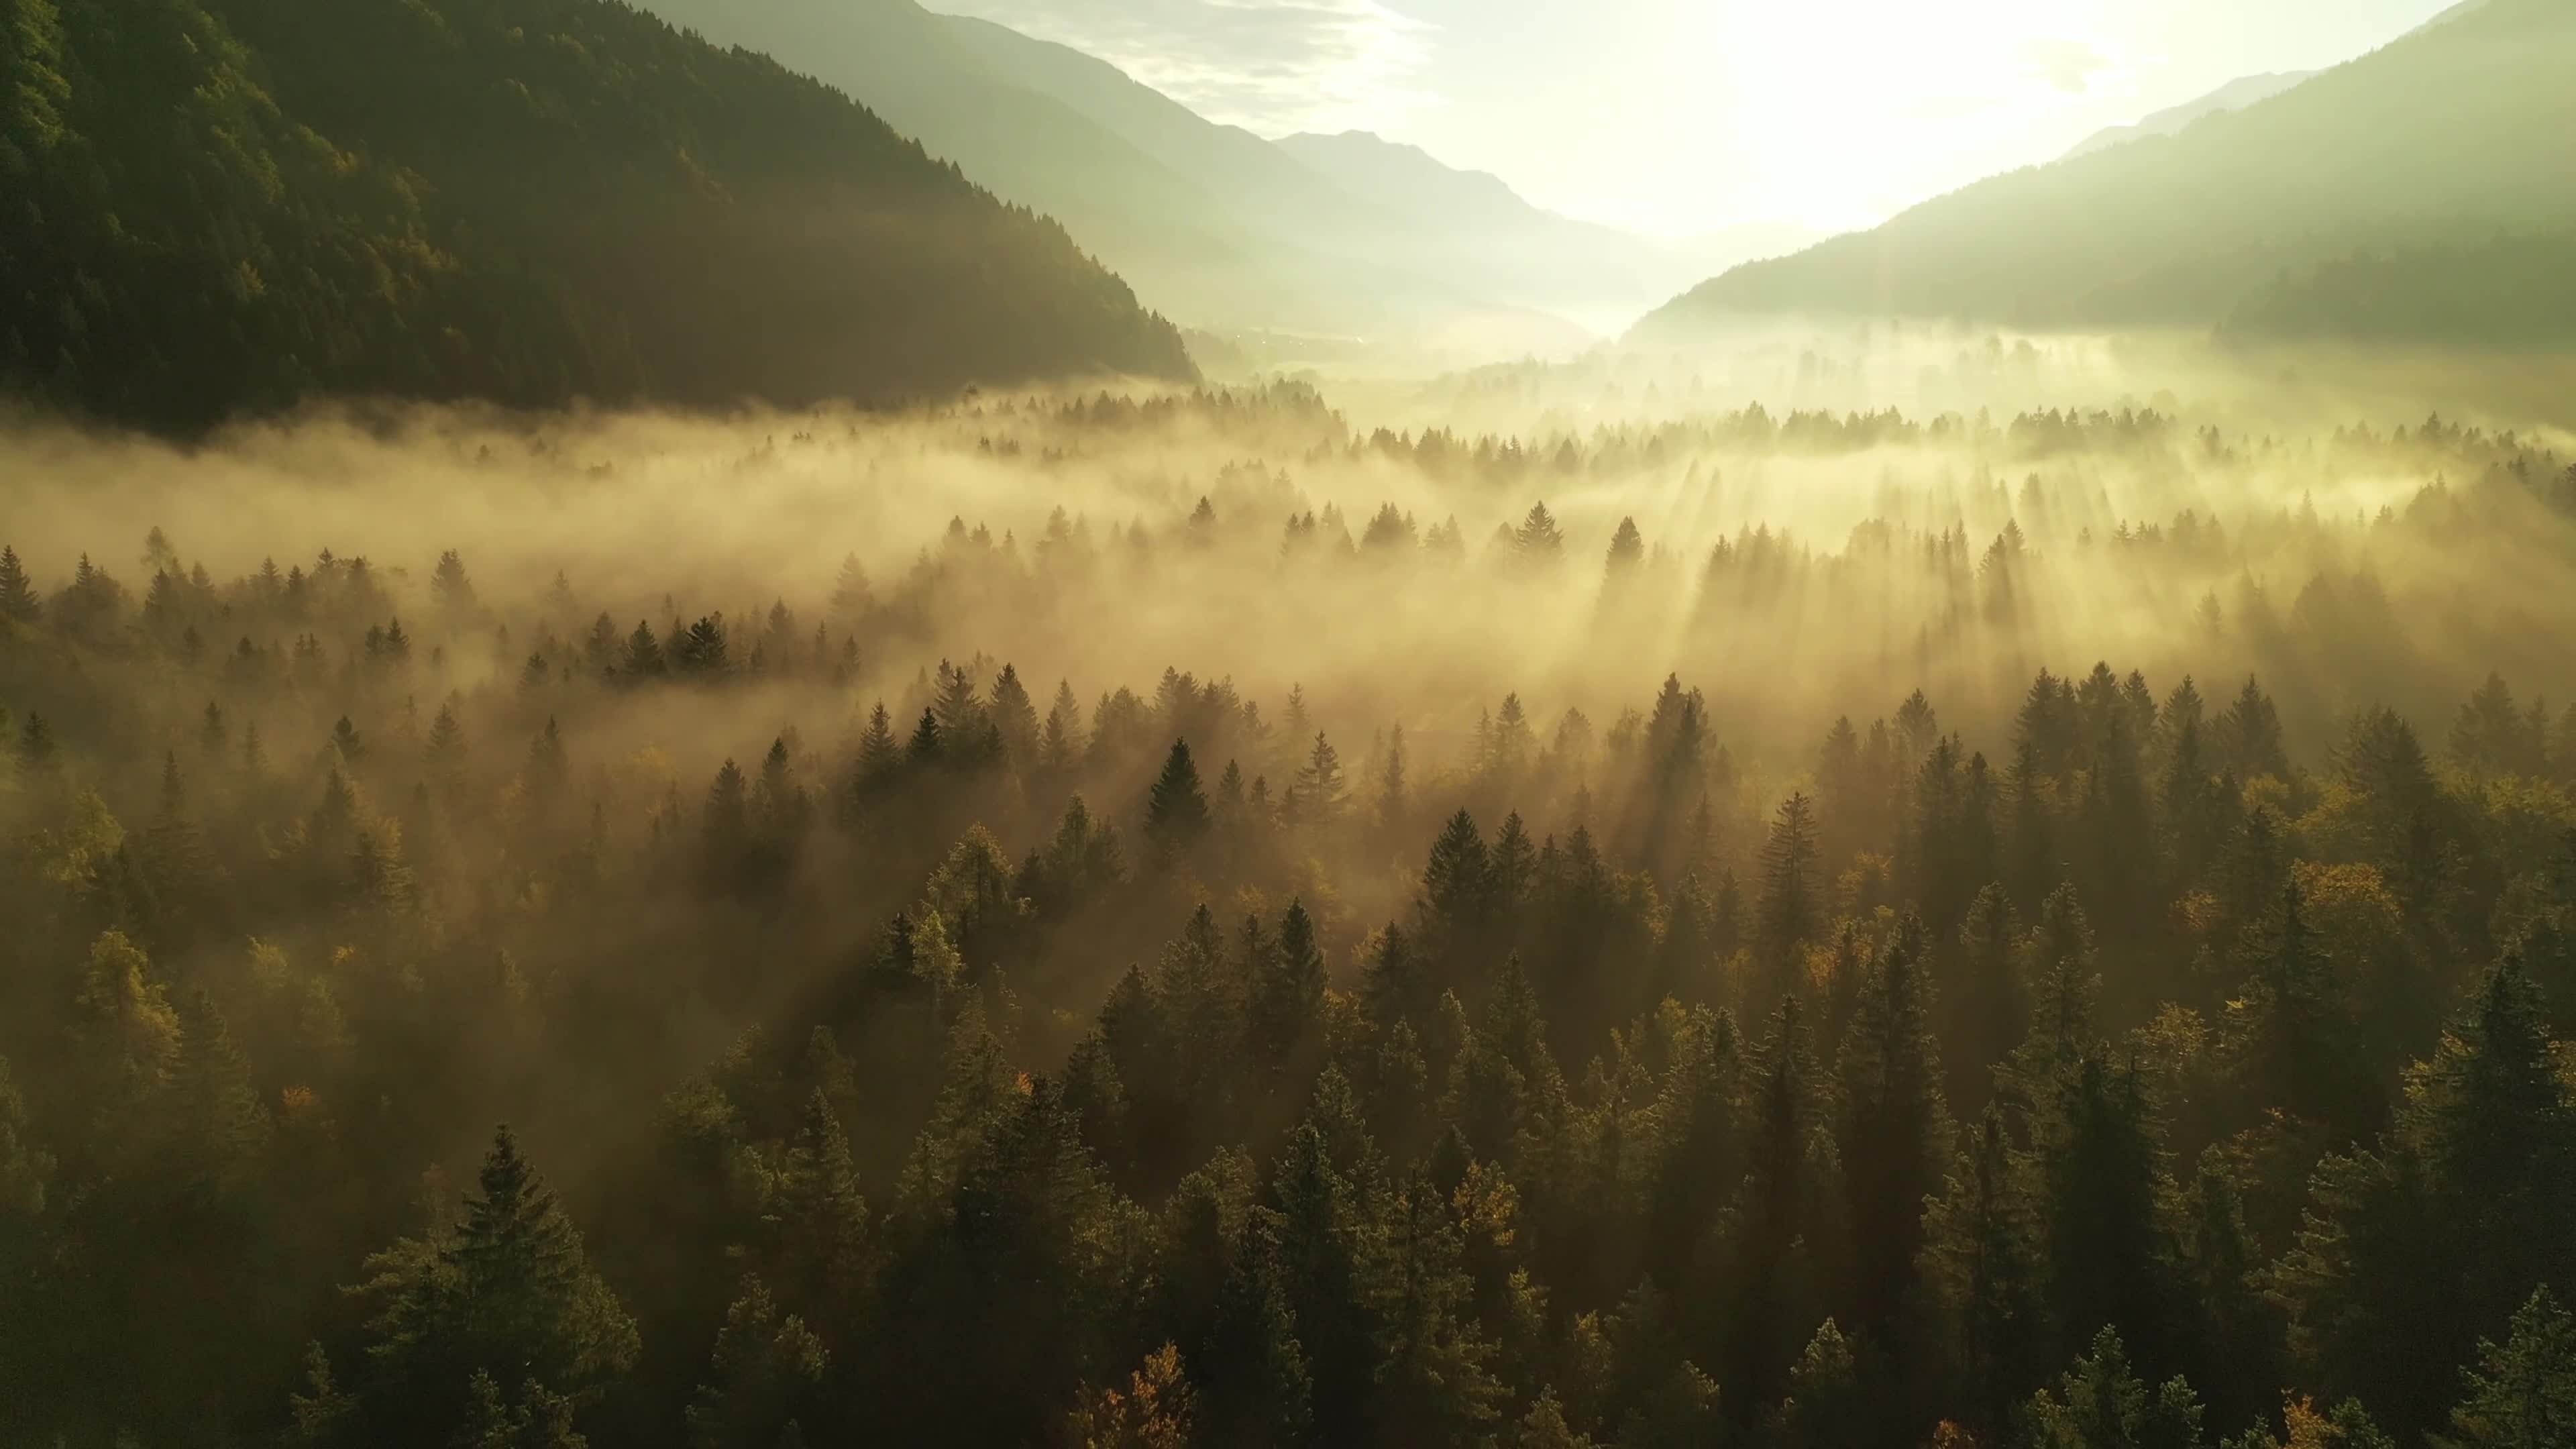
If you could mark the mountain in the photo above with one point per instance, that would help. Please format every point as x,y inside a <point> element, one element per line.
<point>1333,236</point>
<point>1212,223</point>
<point>2442,143</point>
<point>225,206</point>
<point>1471,226</point>
<point>2236,95</point>
<point>2465,7</point>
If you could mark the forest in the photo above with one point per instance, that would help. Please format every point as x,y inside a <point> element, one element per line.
<point>212,209</point>
<point>1198,918</point>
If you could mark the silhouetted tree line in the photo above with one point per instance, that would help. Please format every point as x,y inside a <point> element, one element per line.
<point>1179,1068</point>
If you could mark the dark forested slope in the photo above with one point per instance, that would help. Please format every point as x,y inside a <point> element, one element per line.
<point>232,206</point>
<point>2447,138</point>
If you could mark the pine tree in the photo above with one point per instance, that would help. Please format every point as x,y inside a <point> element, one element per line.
<point>1786,1239</point>
<point>1455,883</point>
<point>549,768</point>
<point>1016,718</point>
<point>346,744</point>
<point>880,759</point>
<point>1981,1265</point>
<point>1983,1007</point>
<point>1627,550</point>
<point>927,744</point>
<point>1825,1407</point>
<point>221,1126</point>
<point>851,596</point>
<point>1434,1377</point>
<point>1176,810</point>
<point>2032,865</point>
<point>26,1170</point>
<point>1323,1241</point>
<point>2101,1404</point>
<point>125,1017</point>
<point>957,704</point>
<point>1394,988</point>
<point>1393,805</point>
<point>2292,1035</point>
<point>1321,791</point>
<point>1792,905</point>
<point>2522,1393</point>
<point>448,584</point>
<point>1063,731</point>
<point>1257,1374</point>
<point>643,654</point>
<point>506,1291</point>
<point>18,602</point>
<point>2250,736</point>
<point>1894,1128</point>
<point>702,649</point>
<point>2413,1249</point>
<point>766,1377</point>
<point>1538,540</point>
<point>2193,804</point>
<point>724,832</point>
<point>2238,1362</point>
<point>446,751</point>
<point>1286,1002</point>
<point>2110,1256</point>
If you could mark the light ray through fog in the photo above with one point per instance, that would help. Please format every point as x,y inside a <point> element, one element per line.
<point>1831,114</point>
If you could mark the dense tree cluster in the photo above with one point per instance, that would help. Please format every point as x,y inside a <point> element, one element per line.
<point>215,208</point>
<point>992,1067</point>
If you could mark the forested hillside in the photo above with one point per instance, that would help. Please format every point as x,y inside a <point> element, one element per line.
<point>1400,1019</point>
<point>2431,148</point>
<point>1345,235</point>
<point>230,207</point>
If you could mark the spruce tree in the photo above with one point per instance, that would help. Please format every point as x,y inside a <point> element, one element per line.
<point>508,1291</point>
<point>1016,718</point>
<point>1983,1272</point>
<point>2102,1404</point>
<point>1894,1128</point>
<point>1393,805</point>
<point>2292,1035</point>
<point>1286,1002</point>
<point>1792,905</point>
<point>766,1380</point>
<point>2110,1253</point>
<point>2415,1248</point>
<point>18,602</point>
<point>643,654</point>
<point>2522,1392</point>
<point>1176,809</point>
<point>1394,988</point>
<point>1321,791</point>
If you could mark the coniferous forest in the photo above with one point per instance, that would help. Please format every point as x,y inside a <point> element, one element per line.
<point>1178,920</point>
<point>210,209</point>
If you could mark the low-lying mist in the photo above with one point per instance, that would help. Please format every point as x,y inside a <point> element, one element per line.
<point>1792,565</point>
<point>836,802</point>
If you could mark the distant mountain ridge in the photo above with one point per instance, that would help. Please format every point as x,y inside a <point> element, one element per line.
<point>2233,96</point>
<point>2433,146</point>
<point>1215,225</point>
<point>1514,241</point>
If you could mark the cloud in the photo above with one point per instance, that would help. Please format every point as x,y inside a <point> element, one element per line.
<point>1271,66</point>
<point>2068,65</point>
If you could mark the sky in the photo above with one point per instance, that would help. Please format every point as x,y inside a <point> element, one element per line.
<point>1685,116</point>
